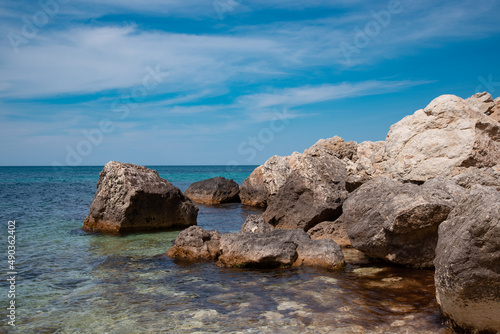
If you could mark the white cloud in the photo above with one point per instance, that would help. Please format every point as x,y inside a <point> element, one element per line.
<point>299,96</point>
<point>87,60</point>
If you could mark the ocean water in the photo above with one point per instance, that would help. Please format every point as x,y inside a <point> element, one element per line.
<point>69,281</point>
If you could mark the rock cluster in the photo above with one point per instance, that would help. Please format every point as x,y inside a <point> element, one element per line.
<point>216,190</point>
<point>437,170</point>
<point>257,245</point>
<point>428,196</point>
<point>448,138</point>
<point>131,198</point>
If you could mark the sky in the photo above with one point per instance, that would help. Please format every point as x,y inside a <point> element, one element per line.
<point>227,82</point>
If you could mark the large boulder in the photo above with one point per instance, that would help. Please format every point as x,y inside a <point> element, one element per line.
<point>313,192</point>
<point>398,222</point>
<point>216,190</point>
<point>334,230</point>
<point>134,198</point>
<point>467,263</point>
<point>194,243</point>
<point>449,133</point>
<point>278,248</point>
<point>265,181</point>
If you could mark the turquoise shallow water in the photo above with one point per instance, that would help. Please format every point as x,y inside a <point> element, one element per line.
<point>72,282</point>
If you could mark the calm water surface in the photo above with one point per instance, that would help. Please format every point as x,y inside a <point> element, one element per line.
<point>73,282</point>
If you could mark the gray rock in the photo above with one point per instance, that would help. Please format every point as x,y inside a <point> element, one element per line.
<point>253,191</point>
<point>132,198</point>
<point>314,191</point>
<point>334,230</point>
<point>338,148</point>
<point>468,263</point>
<point>265,181</point>
<point>471,176</point>
<point>256,224</point>
<point>194,243</point>
<point>320,253</point>
<point>398,222</point>
<point>216,190</point>
<point>278,248</point>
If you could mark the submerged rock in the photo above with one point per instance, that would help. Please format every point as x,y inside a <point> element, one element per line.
<point>398,222</point>
<point>194,243</point>
<point>467,263</point>
<point>133,198</point>
<point>313,192</point>
<point>216,190</point>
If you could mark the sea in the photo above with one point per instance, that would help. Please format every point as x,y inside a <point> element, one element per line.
<point>64,280</point>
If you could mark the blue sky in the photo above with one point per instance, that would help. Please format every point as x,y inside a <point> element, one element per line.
<point>226,81</point>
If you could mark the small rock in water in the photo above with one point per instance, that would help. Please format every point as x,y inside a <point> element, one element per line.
<point>216,190</point>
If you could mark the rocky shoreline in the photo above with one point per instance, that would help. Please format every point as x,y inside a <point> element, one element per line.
<point>426,197</point>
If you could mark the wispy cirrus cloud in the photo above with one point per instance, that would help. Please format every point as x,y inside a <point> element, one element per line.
<point>299,96</point>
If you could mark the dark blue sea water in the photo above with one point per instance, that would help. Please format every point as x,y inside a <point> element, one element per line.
<point>69,281</point>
